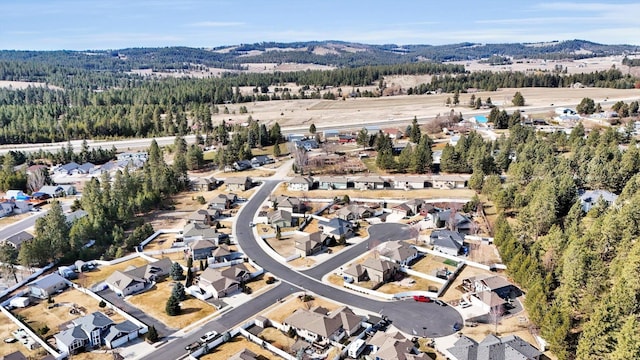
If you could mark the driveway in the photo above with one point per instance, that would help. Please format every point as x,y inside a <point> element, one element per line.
<point>116,300</point>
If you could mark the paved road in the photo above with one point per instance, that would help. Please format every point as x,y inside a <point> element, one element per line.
<point>227,321</point>
<point>378,233</point>
<point>21,225</point>
<point>408,316</point>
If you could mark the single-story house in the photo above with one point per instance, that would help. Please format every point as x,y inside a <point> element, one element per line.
<point>203,183</point>
<point>493,283</point>
<point>260,160</point>
<point>330,183</point>
<point>66,168</point>
<point>354,212</point>
<point>369,183</point>
<point>447,242</point>
<point>223,282</point>
<point>16,240</point>
<point>53,191</point>
<point>288,203</point>
<point>241,165</point>
<point>409,182</point>
<point>223,201</point>
<point>222,254</point>
<point>336,227</point>
<point>317,325</point>
<point>311,243</point>
<point>488,301</point>
<point>300,183</point>
<point>239,183</point>
<point>195,231</point>
<point>135,279</point>
<point>400,252</point>
<point>394,133</point>
<point>461,223</point>
<point>281,218</point>
<point>6,209</point>
<point>204,216</point>
<point>493,347</point>
<point>590,198</point>
<point>202,249</point>
<point>47,286</point>
<point>83,169</point>
<point>453,181</point>
<point>143,156</point>
<point>307,144</point>
<point>22,207</point>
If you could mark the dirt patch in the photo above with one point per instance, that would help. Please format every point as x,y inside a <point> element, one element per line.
<point>483,253</point>
<point>429,264</point>
<point>6,327</point>
<point>90,278</point>
<point>234,346</point>
<point>285,246</point>
<point>162,242</point>
<point>97,355</point>
<point>417,284</point>
<point>179,257</point>
<point>250,173</point>
<point>42,314</point>
<point>287,308</point>
<point>302,262</point>
<point>153,303</point>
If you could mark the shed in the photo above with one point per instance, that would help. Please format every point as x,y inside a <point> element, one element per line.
<point>19,302</point>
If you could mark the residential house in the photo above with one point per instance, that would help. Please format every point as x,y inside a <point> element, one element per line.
<point>37,169</point>
<point>16,355</point>
<point>307,144</point>
<point>354,212</point>
<point>66,168</point>
<point>449,181</point>
<point>409,182</point>
<point>403,210</point>
<point>202,249</point>
<point>53,191</point>
<point>22,207</point>
<point>204,217</point>
<point>195,231</point>
<point>488,301</point>
<point>493,283</point>
<point>493,347</point>
<point>83,169</point>
<point>6,209</point>
<point>400,252</point>
<point>300,183</point>
<point>590,198</point>
<point>369,183</point>
<point>394,347</point>
<point>281,219</point>
<point>203,184</point>
<point>336,227</point>
<point>241,165</point>
<point>223,282</point>
<point>143,156</point>
<point>223,201</point>
<point>447,242</point>
<point>288,203</point>
<point>331,183</point>
<point>394,133</point>
<point>16,195</point>
<point>135,279</point>
<point>47,286</point>
<point>69,189</point>
<point>239,183</point>
<point>316,325</point>
<point>453,220</point>
<point>311,243</point>
<point>16,240</point>
<point>222,254</point>
<point>377,270</point>
<point>93,330</point>
<point>260,160</point>
<point>73,216</point>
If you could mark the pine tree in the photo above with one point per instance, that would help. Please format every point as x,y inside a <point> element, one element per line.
<point>172,308</point>
<point>152,334</point>
<point>176,272</point>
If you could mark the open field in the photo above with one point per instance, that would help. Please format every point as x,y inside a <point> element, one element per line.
<point>161,242</point>
<point>302,262</point>
<point>39,315</point>
<point>6,327</point>
<point>21,85</point>
<point>287,308</point>
<point>153,303</point>
<point>297,115</point>
<point>234,346</point>
<point>89,278</point>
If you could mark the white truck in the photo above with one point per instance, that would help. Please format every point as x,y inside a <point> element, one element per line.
<point>356,348</point>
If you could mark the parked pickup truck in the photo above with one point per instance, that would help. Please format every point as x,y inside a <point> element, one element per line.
<point>193,346</point>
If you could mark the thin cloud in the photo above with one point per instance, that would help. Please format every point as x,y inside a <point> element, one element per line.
<point>538,20</point>
<point>216,24</point>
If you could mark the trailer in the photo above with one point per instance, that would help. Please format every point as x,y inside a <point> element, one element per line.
<point>356,348</point>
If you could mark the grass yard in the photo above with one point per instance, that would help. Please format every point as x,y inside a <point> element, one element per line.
<point>429,264</point>
<point>285,246</point>
<point>39,315</point>
<point>153,303</point>
<point>277,338</point>
<point>397,287</point>
<point>162,242</point>
<point>250,173</point>
<point>336,280</point>
<point>101,273</point>
<point>6,327</point>
<point>8,220</point>
<point>302,262</point>
<point>268,150</point>
<point>234,346</point>
<point>260,282</point>
<point>287,308</point>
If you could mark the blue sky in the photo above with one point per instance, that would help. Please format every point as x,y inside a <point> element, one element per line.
<point>113,24</point>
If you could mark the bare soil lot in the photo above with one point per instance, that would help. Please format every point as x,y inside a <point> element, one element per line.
<point>6,327</point>
<point>153,303</point>
<point>234,346</point>
<point>483,253</point>
<point>417,284</point>
<point>40,315</point>
<point>429,264</point>
<point>285,246</point>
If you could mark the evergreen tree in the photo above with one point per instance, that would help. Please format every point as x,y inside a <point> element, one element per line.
<point>178,291</point>
<point>415,131</point>
<point>172,308</point>
<point>518,99</point>
<point>176,272</point>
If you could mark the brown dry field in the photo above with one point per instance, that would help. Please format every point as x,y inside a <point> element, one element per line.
<point>277,338</point>
<point>297,115</point>
<point>161,242</point>
<point>153,303</point>
<point>87,279</point>
<point>483,253</point>
<point>536,65</point>
<point>282,311</point>
<point>234,346</point>
<point>39,315</point>
<point>25,84</point>
<point>6,327</point>
<point>8,220</point>
<point>428,264</point>
<point>94,355</point>
<point>285,246</point>
<point>302,262</point>
<point>396,287</point>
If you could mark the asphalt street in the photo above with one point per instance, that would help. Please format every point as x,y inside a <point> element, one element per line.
<point>408,316</point>
<point>21,225</point>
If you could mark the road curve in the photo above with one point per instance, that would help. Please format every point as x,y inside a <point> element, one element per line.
<point>411,317</point>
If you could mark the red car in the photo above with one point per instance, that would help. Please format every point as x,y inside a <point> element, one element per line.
<point>421,298</point>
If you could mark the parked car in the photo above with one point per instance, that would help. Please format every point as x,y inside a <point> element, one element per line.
<point>464,304</point>
<point>457,326</point>
<point>440,302</point>
<point>10,340</point>
<point>193,346</point>
<point>209,335</point>
<point>421,298</point>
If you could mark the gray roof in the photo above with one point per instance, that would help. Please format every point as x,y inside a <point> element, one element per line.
<point>244,354</point>
<point>16,355</point>
<point>96,320</point>
<point>592,196</point>
<point>492,347</point>
<point>195,229</point>
<point>447,239</point>
<point>124,327</point>
<point>48,281</point>
<point>68,336</point>
<point>238,180</point>
<point>71,217</point>
<point>19,238</point>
